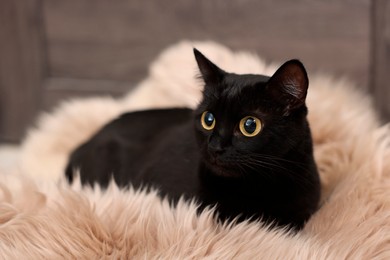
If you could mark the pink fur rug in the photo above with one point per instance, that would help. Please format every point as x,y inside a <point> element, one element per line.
<point>43,217</point>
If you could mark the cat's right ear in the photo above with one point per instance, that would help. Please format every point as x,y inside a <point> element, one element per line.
<point>211,73</point>
<point>288,85</point>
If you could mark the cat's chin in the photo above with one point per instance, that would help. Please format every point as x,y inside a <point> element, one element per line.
<point>221,170</point>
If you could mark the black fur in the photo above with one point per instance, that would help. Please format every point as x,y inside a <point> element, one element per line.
<point>271,176</point>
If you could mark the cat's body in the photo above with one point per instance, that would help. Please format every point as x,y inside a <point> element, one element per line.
<point>246,149</point>
<point>165,158</point>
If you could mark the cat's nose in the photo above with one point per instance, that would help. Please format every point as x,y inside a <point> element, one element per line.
<point>218,143</point>
<point>215,146</point>
<point>216,150</point>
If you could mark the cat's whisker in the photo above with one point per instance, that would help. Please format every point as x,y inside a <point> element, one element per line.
<point>268,163</point>
<point>266,156</point>
<point>278,159</point>
<point>255,163</point>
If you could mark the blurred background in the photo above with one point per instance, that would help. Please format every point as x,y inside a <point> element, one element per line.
<point>51,50</point>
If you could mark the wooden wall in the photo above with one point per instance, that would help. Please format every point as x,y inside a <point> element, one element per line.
<point>88,47</point>
<point>97,39</point>
<point>380,73</point>
<point>22,66</point>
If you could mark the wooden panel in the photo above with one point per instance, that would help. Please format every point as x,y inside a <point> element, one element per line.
<point>21,65</point>
<point>380,80</point>
<point>116,40</point>
<point>99,46</point>
<point>60,89</point>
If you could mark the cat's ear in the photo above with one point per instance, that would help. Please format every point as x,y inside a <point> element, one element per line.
<point>211,73</point>
<point>288,86</point>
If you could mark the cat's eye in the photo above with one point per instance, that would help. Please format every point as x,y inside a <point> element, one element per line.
<point>250,126</point>
<point>207,120</point>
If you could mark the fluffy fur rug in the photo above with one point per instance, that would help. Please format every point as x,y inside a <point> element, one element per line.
<point>43,217</point>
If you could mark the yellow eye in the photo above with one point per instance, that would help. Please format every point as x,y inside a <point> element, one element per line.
<point>207,120</point>
<point>250,126</point>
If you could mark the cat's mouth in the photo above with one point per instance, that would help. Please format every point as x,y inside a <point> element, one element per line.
<point>221,168</point>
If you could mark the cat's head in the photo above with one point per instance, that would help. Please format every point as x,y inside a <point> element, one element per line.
<point>246,123</point>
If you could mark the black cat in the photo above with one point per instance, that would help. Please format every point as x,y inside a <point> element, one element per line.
<point>247,148</point>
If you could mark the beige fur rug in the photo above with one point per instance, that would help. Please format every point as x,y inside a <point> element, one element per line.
<point>43,217</point>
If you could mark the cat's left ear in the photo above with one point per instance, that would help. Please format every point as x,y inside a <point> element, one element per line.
<point>211,73</point>
<point>288,86</point>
